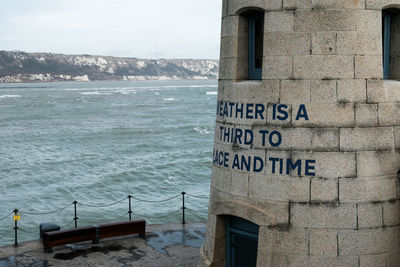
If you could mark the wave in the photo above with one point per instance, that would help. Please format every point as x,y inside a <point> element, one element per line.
<point>203,130</point>
<point>9,96</point>
<point>190,86</point>
<point>95,93</point>
<point>212,93</point>
<point>169,99</point>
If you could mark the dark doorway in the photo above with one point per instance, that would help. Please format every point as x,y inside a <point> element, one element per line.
<point>242,242</point>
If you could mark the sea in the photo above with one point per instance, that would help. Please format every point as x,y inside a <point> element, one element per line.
<point>97,143</point>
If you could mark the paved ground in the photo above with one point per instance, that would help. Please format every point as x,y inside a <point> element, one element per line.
<point>165,245</point>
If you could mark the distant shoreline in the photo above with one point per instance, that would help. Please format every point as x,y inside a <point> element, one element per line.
<point>18,67</point>
<point>110,80</point>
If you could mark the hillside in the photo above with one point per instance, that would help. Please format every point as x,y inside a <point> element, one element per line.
<point>16,66</point>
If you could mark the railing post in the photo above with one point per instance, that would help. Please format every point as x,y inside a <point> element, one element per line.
<point>183,207</point>
<point>130,208</point>
<point>16,229</point>
<point>75,217</point>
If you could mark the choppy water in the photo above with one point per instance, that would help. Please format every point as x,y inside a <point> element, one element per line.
<point>99,142</point>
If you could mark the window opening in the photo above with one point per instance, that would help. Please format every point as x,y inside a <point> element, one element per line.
<point>386,43</point>
<point>242,242</point>
<point>391,43</point>
<point>255,45</point>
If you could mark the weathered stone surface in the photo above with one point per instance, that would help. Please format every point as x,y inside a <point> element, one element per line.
<point>325,115</point>
<point>383,91</point>
<point>323,91</point>
<point>343,216</point>
<point>297,4</point>
<point>295,91</point>
<point>391,213</point>
<point>368,67</point>
<point>228,47</point>
<point>223,91</point>
<point>330,164</point>
<point>227,69</point>
<point>397,137</point>
<point>338,4</point>
<point>373,138</point>
<point>389,114</point>
<point>359,43</point>
<point>286,43</point>
<point>362,242</point>
<point>393,258</point>
<point>224,8</point>
<point>257,92</point>
<point>230,26</point>
<point>323,43</point>
<point>266,258</point>
<point>373,260</point>
<point>221,179</point>
<point>279,188</point>
<point>369,20</point>
<point>323,67</point>
<point>279,21</point>
<point>369,215</point>
<point>318,261</point>
<point>324,190</point>
<point>377,164</point>
<point>324,20</point>
<point>240,184</point>
<point>361,190</point>
<point>366,115</point>
<point>325,139</point>
<point>323,243</point>
<point>295,241</point>
<point>352,90</point>
<point>277,67</point>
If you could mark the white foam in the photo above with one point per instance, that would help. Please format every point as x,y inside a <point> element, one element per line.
<point>212,93</point>
<point>95,93</point>
<point>9,96</point>
<point>203,130</point>
<point>169,99</point>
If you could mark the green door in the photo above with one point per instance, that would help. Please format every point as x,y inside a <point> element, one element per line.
<point>242,242</point>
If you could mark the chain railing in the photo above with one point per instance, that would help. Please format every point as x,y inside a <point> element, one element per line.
<point>17,212</point>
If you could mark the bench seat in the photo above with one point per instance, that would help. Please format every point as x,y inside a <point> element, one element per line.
<point>93,232</point>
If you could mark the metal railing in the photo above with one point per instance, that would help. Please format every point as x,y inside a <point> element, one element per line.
<point>17,212</point>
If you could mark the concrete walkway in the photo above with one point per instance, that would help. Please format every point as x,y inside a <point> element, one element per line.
<point>164,245</point>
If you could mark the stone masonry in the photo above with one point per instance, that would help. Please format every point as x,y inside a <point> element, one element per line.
<point>342,208</point>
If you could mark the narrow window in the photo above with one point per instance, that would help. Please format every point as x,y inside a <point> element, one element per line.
<point>386,43</point>
<point>390,43</point>
<point>256,41</point>
<point>250,44</point>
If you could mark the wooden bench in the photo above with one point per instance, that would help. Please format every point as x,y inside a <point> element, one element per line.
<point>93,232</point>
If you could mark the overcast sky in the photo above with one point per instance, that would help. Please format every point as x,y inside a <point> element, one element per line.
<point>131,28</point>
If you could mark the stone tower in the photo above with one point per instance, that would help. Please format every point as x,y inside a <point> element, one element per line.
<point>307,136</point>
